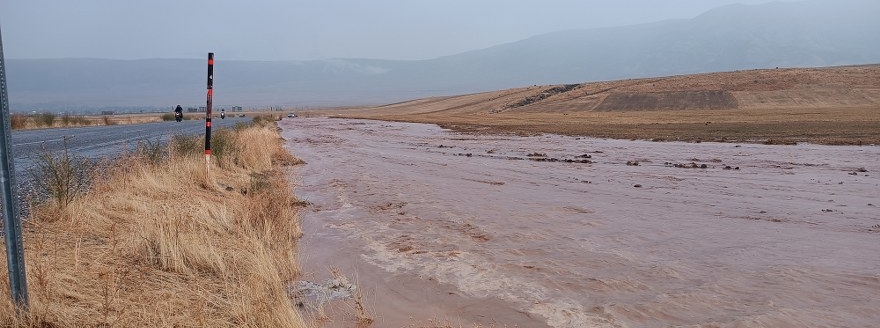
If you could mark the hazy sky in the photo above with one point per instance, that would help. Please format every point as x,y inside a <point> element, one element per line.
<point>296,29</point>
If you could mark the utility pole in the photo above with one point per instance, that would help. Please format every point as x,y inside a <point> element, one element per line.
<point>11,219</point>
<point>208,114</point>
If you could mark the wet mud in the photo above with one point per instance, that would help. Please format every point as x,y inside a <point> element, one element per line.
<point>579,232</point>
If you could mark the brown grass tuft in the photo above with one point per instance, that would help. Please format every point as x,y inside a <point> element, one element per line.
<point>18,121</point>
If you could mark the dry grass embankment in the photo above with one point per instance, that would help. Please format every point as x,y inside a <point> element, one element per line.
<point>836,105</point>
<point>159,244</point>
<point>49,120</point>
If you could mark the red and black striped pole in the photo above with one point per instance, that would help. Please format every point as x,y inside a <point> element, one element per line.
<point>208,112</point>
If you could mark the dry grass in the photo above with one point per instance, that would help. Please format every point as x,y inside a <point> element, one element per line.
<point>42,121</point>
<point>162,245</point>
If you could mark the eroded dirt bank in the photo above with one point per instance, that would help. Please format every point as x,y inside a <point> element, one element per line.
<point>571,232</point>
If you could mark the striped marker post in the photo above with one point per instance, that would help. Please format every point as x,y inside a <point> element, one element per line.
<point>208,113</point>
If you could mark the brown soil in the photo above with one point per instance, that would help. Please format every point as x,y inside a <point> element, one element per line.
<point>837,105</point>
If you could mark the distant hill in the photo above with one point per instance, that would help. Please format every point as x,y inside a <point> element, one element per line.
<point>785,34</point>
<point>833,105</point>
<point>830,88</point>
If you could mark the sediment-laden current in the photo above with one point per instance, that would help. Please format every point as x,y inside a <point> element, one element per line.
<point>579,232</point>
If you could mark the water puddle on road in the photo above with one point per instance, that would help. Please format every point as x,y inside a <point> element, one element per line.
<point>579,232</point>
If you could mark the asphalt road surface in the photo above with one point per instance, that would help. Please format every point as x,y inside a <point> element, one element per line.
<point>101,141</point>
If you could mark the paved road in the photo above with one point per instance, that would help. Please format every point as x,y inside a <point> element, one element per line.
<point>101,141</point>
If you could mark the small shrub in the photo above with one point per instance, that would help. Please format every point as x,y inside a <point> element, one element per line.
<point>223,146</point>
<point>107,121</point>
<point>187,145</point>
<point>79,120</point>
<point>167,117</point>
<point>264,120</point>
<point>18,121</point>
<point>152,152</point>
<point>68,120</point>
<point>238,127</point>
<point>44,119</point>
<point>259,182</point>
<point>62,177</point>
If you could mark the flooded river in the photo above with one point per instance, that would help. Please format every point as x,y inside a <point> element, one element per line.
<point>578,232</point>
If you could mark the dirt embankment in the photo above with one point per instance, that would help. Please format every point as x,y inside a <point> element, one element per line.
<point>837,105</point>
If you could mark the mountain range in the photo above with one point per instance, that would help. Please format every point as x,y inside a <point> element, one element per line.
<point>812,33</point>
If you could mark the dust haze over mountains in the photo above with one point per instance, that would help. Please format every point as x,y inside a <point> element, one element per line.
<point>736,37</point>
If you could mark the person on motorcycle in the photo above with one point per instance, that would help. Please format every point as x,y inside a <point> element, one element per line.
<point>178,113</point>
<point>222,114</point>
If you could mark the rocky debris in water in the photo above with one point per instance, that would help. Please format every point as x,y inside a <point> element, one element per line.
<point>584,156</point>
<point>859,170</point>
<point>322,293</point>
<point>542,157</point>
<point>690,165</point>
<point>632,163</point>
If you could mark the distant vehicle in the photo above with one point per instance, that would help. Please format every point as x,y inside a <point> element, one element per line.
<point>291,115</point>
<point>240,115</point>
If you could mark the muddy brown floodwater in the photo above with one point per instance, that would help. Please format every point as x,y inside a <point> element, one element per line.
<point>524,231</point>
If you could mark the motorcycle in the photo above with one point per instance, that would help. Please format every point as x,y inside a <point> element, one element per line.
<point>178,116</point>
<point>222,115</point>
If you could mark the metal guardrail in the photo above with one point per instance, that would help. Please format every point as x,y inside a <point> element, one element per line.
<point>11,219</point>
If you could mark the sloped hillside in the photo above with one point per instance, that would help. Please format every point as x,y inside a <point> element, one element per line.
<point>827,105</point>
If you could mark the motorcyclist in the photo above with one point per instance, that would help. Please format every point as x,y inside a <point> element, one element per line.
<point>178,113</point>
<point>222,114</point>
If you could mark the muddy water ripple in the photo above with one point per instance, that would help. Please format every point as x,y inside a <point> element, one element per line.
<point>579,232</point>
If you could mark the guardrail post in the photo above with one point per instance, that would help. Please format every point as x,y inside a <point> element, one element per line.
<point>11,219</point>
